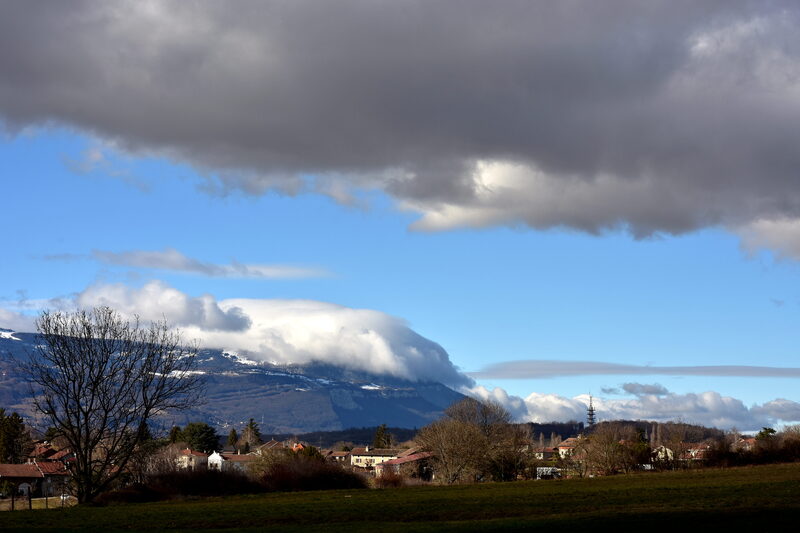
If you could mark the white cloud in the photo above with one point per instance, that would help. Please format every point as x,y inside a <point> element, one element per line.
<point>156,300</point>
<point>94,161</point>
<point>172,259</point>
<point>508,193</point>
<point>288,331</point>
<point>708,408</point>
<point>514,404</point>
<point>15,321</point>
<point>781,235</point>
<point>544,368</point>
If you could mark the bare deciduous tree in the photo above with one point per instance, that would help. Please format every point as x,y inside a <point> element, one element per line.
<point>475,440</point>
<point>100,379</point>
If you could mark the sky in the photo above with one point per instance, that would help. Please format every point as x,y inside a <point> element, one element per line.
<point>532,202</point>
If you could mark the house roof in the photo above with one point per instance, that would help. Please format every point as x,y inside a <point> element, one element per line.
<point>339,454</point>
<point>19,471</point>
<point>410,451</point>
<point>374,452</point>
<point>408,459</point>
<point>237,458</point>
<point>270,445</point>
<point>42,451</point>
<point>52,468</point>
<point>188,451</point>
<point>59,455</point>
<point>569,443</point>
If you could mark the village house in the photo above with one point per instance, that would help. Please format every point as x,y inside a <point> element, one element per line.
<point>367,457</point>
<point>189,459</point>
<point>416,465</point>
<point>55,477</point>
<point>543,453</point>
<point>230,462</point>
<point>42,451</point>
<point>26,478</point>
<point>339,457</point>
<point>567,447</point>
<point>745,444</point>
<point>268,446</point>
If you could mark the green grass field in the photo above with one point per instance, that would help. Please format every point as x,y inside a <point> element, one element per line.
<point>701,500</point>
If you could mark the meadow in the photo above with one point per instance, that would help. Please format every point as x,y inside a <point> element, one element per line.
<point>709,499</point>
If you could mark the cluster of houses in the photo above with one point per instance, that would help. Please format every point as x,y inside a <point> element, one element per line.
<point>46,472</point>
<point>375,461</point>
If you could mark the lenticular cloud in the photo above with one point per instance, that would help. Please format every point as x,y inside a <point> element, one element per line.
<point>289,331</point>
<point>305,331</point>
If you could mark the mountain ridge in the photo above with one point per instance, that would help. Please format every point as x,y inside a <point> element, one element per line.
<point>281,398</point>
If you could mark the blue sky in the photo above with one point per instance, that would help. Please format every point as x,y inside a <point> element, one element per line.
<point>486,296</point>
<point>599,213</point>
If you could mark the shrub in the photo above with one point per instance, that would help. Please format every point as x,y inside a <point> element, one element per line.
<point>298,473</point>
<point>203,483</point>
<point>389,479</point>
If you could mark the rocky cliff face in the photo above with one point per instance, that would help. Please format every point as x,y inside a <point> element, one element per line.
<point>282,399</point>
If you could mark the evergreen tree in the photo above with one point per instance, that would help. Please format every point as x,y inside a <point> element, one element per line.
<point>250,434</point>
<point>233,438</point>
<point>15,439</point>
<point>175,434</point>
<point>200,436</point>
<point>382,439</point>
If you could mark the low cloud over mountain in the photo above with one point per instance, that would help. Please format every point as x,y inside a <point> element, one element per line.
<point>288,331</point>
<point>365,340</point>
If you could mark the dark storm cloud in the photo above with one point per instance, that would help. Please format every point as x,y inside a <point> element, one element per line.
<point>661,116</point>
<point>541,369</point>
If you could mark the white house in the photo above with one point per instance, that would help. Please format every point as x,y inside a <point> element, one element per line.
<point>230,462</point>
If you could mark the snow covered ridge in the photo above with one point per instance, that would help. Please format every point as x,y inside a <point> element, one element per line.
<point>240,358</point>
<point>8,334</point>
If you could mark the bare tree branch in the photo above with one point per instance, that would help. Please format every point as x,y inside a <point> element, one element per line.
<point>100,379</point>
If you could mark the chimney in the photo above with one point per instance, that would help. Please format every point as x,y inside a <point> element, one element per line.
<point>367,448</point>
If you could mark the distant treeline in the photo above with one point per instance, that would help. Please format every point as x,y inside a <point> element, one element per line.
<point>659,431</point>
<point>359,436</point>
<point>365,435</point>
<point>563,430</point>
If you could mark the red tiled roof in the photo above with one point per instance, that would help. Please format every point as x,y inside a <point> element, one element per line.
<point>408,458</point>
<point>340,454</point>
<point>59,455</point>
<point>42,451</point>
<point>52,468</point>
<point>187,451</point>
<point>26,470</point>
<point>410,451</point>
